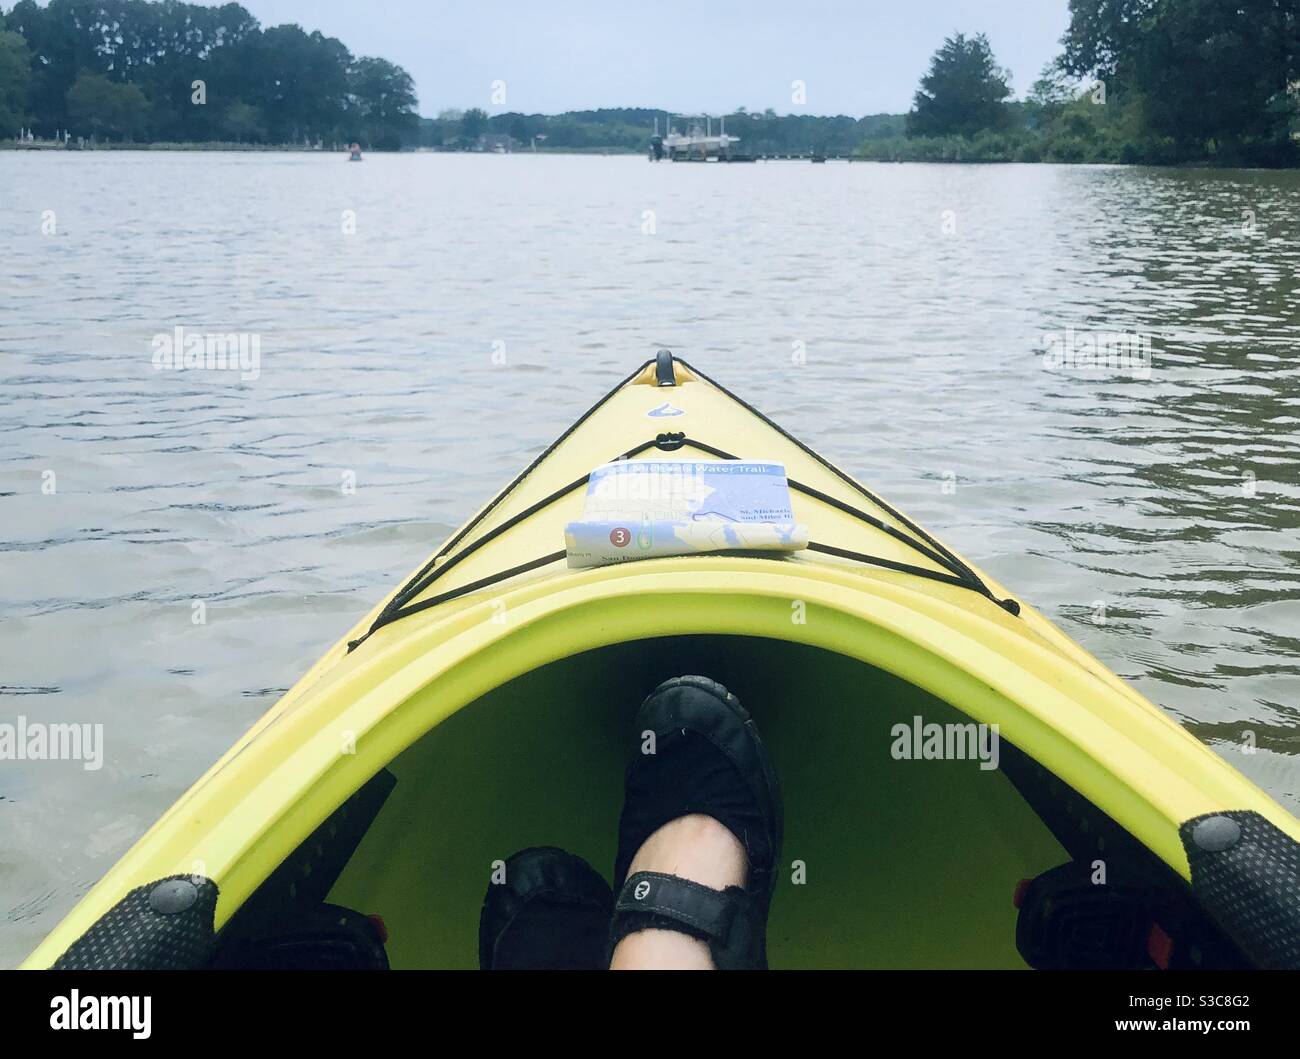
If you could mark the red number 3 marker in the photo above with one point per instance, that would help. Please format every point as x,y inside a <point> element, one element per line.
<point>620,537</point>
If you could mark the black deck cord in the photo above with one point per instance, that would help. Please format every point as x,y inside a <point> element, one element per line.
<point>404,594</point>
<point>956,568</point>
<point>555,557</point>
<point>890,564</point>
<point>946,562</point>
<point>1010,605</point>
<point>669,443</point>
<point>418,582</point>
<point>429,574</point>
<point>959,574</point>
<point>473,586</point>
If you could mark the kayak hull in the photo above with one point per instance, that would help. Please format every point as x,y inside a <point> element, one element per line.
<point>863,648</point>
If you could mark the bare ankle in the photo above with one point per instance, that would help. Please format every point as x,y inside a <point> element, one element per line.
<point>695,847</point>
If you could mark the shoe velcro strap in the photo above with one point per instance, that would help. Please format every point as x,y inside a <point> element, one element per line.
<point>707,912</point>
<point>722,918</point>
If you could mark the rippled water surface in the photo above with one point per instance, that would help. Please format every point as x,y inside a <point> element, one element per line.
<point>1157,519</point>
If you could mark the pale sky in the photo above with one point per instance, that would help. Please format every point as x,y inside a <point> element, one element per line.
<point>855,58</point>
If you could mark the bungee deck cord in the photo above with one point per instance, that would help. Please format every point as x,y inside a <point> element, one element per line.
<point>402,605</point>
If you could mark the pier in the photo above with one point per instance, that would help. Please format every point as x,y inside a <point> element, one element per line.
<point>699,143</point>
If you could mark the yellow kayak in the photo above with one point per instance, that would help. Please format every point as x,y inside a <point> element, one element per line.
<point>965,786</point>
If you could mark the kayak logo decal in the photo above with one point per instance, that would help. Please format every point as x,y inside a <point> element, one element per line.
<point>665,410</point>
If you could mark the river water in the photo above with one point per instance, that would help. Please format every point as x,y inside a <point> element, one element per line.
<point>176,547</point>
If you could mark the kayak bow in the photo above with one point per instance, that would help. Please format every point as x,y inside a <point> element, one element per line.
<point>477,710</point>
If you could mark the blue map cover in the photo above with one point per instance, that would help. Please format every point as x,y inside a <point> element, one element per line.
<point>641,509</point>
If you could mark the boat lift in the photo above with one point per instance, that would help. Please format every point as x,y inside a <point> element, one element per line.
<point>698,143</point>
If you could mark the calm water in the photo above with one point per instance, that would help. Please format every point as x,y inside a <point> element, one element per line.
<point>1157,519</point>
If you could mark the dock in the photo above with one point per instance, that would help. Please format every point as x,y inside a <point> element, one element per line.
<point>699,143</point>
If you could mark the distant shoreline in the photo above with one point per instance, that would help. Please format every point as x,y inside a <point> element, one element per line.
<point>54,145</point>
<point>219,147</point>
<point>286,148</point>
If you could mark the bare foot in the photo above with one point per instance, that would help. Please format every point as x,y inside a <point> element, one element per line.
<point>694,847</point>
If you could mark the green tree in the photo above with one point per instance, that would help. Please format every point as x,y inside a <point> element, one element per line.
<point>161,47</point>
<point>243,122</point>
<point>382,102</point>
<point>964,92</point>
<point>299,81</point>
<point>104,108</point>
<point>15,76</point>
<point>168,46</point>
<point>1104,36</point>
<point>473,124</point>
<point>1052,91</point>
<point>59,53</point>
<point>1209,77</point>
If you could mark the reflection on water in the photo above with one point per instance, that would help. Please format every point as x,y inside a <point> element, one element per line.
<point>177,546</point>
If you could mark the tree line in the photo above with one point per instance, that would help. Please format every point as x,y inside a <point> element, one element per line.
<point>1138,81</point>
<point>180,72</point>
<point>628,129</point>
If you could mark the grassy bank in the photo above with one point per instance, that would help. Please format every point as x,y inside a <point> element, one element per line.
<point>996,147</point>
<point>1068,149</point>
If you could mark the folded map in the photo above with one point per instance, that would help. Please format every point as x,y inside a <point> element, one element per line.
<point>642,509</point>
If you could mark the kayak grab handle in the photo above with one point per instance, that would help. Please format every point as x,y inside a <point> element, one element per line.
<point>664,373</point>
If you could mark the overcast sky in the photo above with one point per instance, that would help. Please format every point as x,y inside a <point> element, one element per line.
<point>855,58</point>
